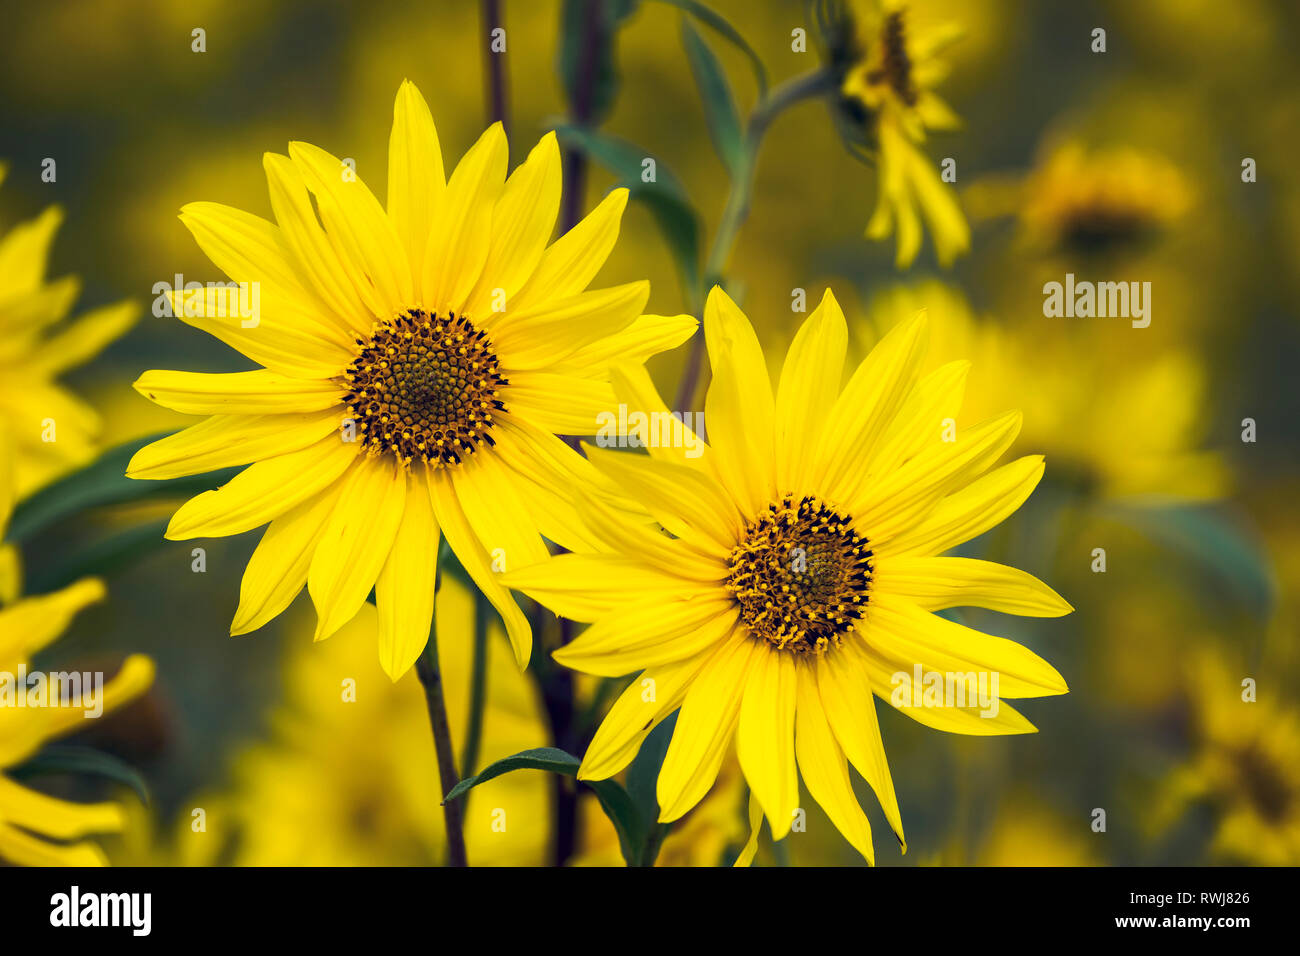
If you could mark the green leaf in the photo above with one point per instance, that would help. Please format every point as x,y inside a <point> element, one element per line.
<point>719,107</point>
<point>551,759</point>
<point>587,55</point>
<point>665,197</point>
<point>1217,542</point>
<point>103,482</point>
<point>72,759</point>
<point>642,786</point>
<point>613,798</point>
<point>107,554</point>
<point>717,22</point>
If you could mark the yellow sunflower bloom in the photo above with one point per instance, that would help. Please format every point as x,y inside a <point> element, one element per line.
<point>799,572</point>
<point>51,431</point>
<point>889,74</point>
<point>418,363</point>
<point>1087,201</point>
<point>37,829</point>
<point>1245,764</point>
<point>1151,458</point>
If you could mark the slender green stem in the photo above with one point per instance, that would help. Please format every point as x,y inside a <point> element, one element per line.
<point>496,86</point>
<point>477,687</point>
<point>431,678</point>
<point>795,90</point>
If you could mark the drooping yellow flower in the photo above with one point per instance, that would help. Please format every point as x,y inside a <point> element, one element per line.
<point>799,572</point>
<point>889,71</point>
<point>419,361</point>
<point>1087,201</point>
<point>37,829</point>
<point>1245,763</point>
<point>1136,439</point>
<point>51,430</point>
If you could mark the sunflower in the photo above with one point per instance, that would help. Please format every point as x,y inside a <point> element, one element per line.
<point>1245,765</point>
<point>799,572</point>
<point>1084,201</point>
<point>37,829</point>
<point>419,362</point>
<point>51,430</point>
<point>888,72</point>
<point>1152,458</point>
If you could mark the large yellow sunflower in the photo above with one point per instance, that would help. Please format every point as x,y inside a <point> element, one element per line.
<point>799,572</point>
<point>51,430</point>
<point>419,362</point>
<point>37,829</point>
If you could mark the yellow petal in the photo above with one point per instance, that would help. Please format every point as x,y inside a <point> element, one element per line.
<point>548,334</point>
<point>286,346</point>
<point>845,693</point>
<point>649,699</point>
<point>522,224</point>
<point>19,846</point>
<point>684,500</point>
<point>262,491</point>
<point>32,623</point>
<point>970,512</point>
<point>236,393</point>
<point>765,737</point>
<point>936,398</point>
<point>416,181</point>
<point>705,726</point>
<point>572,261</point>
<point>586,587</point>
<point>51,817</point>
<point>650,633</point>
<point>895,503</point>
<point>810,383</point>
<point>485,487</point>
<point>902,630</point>
<point>369,245</point>
<point>462,229</point>
<point>85,338</point>
<point>225,440</point>
<point>823,767</point>
<point>247,248</point>
<point>739,405</point>
<point>477,562</point>
<point>937,583</point>
<point>864,410</point>
<point>356,542</point>
<point>647,335</point>
<point>882,672</point>
<point>404,591</point>
<point>315,259</point>
<point>750,849</point>
<point>277,570</point>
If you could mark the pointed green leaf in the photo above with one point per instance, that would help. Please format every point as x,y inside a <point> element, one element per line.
<point>719,107</point>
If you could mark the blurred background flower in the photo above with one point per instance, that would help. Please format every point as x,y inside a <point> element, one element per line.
<point>1124,165</point>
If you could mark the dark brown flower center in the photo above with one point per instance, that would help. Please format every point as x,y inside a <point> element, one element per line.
<point>424,387</point>
<point>801,575</point>
<point>896,67</point>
